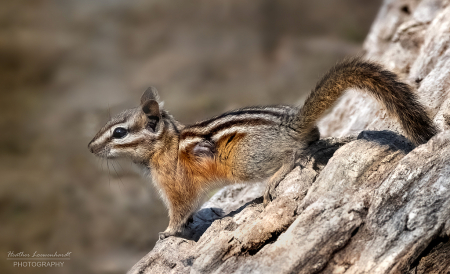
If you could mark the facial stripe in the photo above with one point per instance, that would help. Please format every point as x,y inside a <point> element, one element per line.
<point>105,136</point>
<point>130,138</point>
<point>130,143</point>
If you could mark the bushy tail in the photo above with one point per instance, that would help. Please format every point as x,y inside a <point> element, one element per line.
<point>398,98</point>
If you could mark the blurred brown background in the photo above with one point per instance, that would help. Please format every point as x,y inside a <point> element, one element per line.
<point>64,65</point>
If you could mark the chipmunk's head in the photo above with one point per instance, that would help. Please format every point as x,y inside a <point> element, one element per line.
<point>134,133</point>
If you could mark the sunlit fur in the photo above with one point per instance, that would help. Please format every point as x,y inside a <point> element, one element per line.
<point>244,145</point>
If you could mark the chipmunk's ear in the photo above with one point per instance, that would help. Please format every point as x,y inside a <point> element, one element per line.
<point>150,94</point>
<point>151,110</point>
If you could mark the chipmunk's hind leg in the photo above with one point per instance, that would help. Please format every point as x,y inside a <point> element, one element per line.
<point>276,178</point>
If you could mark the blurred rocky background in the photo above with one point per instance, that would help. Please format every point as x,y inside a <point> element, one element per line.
<point>66,65</point>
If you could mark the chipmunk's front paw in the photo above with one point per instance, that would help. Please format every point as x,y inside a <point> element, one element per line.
<point>166,234</point>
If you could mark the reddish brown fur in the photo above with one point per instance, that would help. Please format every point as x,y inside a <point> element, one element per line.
<point>193,175</point>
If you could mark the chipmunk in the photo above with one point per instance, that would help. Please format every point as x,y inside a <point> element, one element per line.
<point>244,145</point>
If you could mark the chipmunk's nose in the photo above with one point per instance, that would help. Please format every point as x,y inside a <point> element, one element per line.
<point>90,147</point>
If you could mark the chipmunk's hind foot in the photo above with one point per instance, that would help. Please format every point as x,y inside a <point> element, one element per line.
<point>273,182</point>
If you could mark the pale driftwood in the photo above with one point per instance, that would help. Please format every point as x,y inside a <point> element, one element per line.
<point>366,204</point>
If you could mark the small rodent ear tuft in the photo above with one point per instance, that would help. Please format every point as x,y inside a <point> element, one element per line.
<point>150,94</point>
<point>151,108</point>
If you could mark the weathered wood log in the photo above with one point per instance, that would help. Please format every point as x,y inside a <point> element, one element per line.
<point>371,203</point>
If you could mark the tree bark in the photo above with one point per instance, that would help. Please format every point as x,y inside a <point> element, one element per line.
<point>370,203</point>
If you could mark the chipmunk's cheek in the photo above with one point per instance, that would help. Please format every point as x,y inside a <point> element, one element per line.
<point>114,153</point>
<point>118,152</point>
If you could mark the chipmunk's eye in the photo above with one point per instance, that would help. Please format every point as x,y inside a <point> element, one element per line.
<point>119,132</point>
